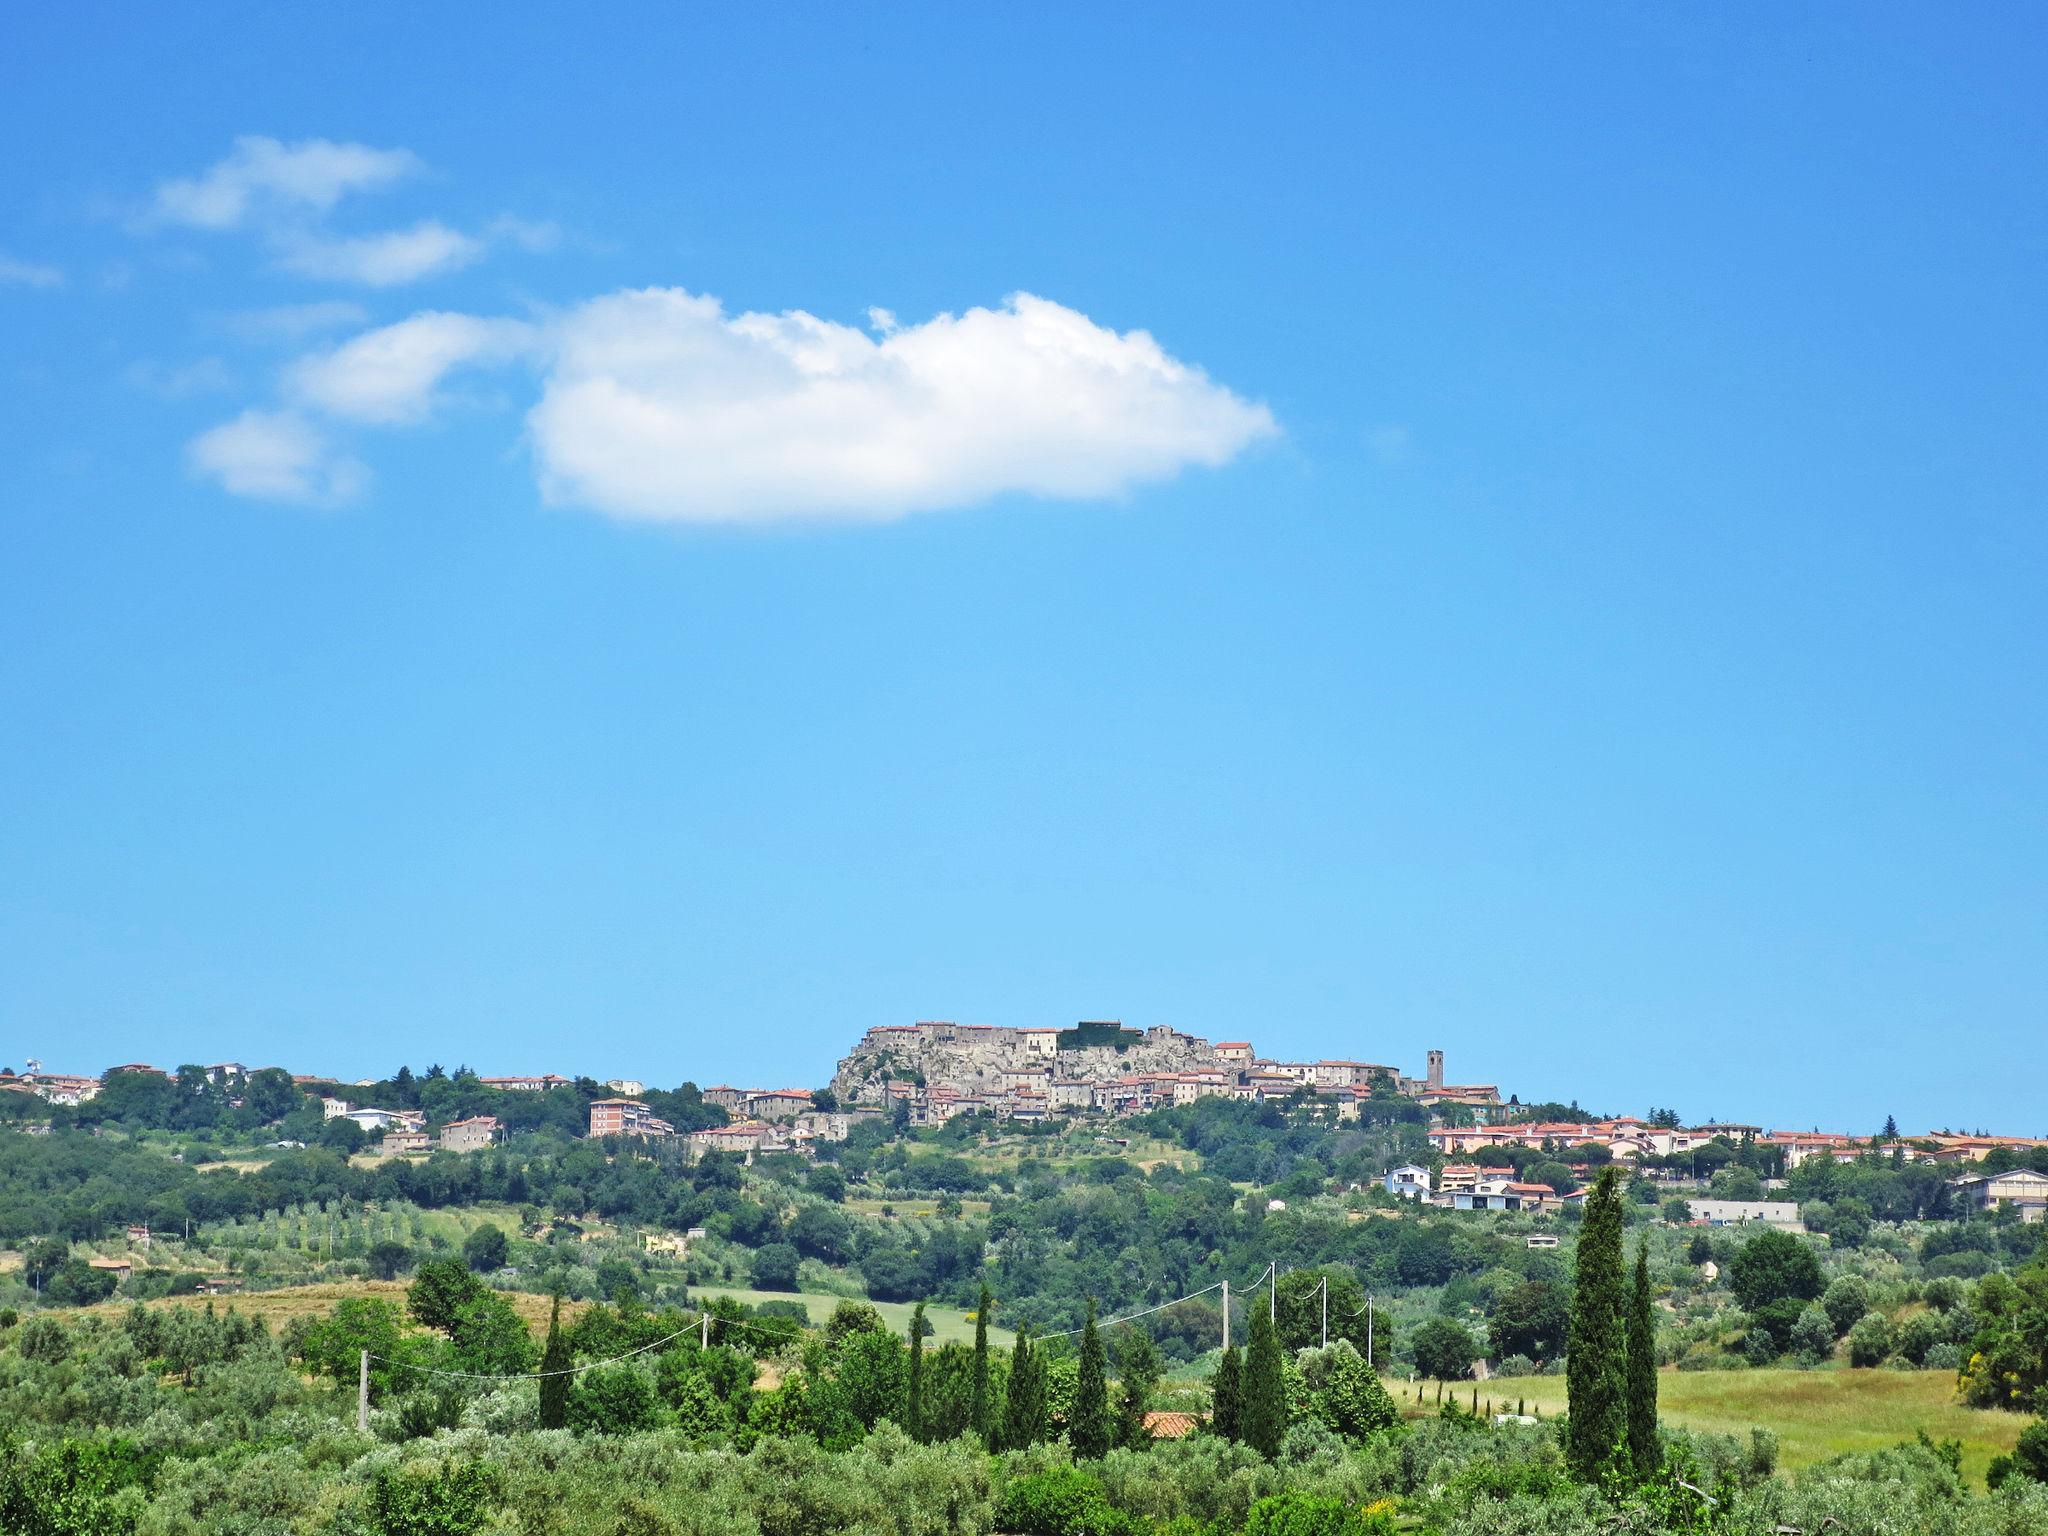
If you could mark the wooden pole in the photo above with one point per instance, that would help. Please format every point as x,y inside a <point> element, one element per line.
<point>1226,1317</point>
<point>363,1394</point>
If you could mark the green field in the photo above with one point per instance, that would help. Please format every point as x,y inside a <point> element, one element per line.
<point>1815,1414</point>
<point>947,1324</point>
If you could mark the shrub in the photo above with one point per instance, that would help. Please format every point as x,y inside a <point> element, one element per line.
<point>419,1501</point>
<point>1060,1501</point>
<point>1307,1514</point>
<point>1870,1340</point>
<point>1812,1338</point>
<point>1845,1302</point>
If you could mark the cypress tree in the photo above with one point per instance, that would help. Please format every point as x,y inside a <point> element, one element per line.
<point>554,1359</point>
<point>1595,1359</point>
<point>1024,1413</point>
<point>1646,1453</point>
<point>1227,1393</point>
<point>977,1410</point>
<point>913,1406</point>
<point>1088,1426</point>
<point>1263,1416</point>
<point>1137,1377</point>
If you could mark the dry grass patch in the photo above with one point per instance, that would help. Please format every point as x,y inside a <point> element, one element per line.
<point>1815,1414</point>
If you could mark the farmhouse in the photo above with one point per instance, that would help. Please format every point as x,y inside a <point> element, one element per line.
<point>2021,1188</point>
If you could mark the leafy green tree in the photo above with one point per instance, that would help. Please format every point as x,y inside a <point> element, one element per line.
<point>1347,1395</point>
<point>490,1338</point>
<point>1595,1362</point>
<point>1226,1396</point>
<point>343,1136</point>
<point>613,1400</point>
<point>913,1397</point>
<point>978,1403</point>
<point>1263,1416</point>
<point>1443,1349</point>
<point>388,1260</point>
<point>1645,1450</point>
<point>332,1347</point>
<point>1089,1429</point>
<point>554,1364</point>
<point>869,1374</point>
<point>2030,1456</point>
<point>1530,1318</point>
<point>1024,1410</point>
<point>77,1284</point>
<point>41,1259</point>
<point>440,1289</point>
<point>484,1249</point>
<point>1774,1266</point>
<point>2008,1359</point>
<point>775,1268</point>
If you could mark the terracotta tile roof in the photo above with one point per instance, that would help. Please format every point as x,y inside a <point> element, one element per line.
<point>1171,1426</point>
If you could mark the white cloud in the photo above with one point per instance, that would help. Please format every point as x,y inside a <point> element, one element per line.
<point>29,274</point>
<point>264,177</point>
<point>277,456</point>
<point>179,381</point>
<point>659,406</point>
<point>386,260</point>
<point>294,322</point>
<point>390,374</point>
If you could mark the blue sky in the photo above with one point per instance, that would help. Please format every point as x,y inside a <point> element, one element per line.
<point>1511,529</point>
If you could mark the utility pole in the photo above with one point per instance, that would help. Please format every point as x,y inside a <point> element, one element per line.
<point>704,1330</point>
<point>363,1394</point>
<point>1368,1330</point>
<point>1326,1311</point>
<point>1226,1317</point>
<point>1273,1292</point>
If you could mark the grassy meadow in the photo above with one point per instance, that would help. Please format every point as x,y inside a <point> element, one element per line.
<point>1815,1414</point>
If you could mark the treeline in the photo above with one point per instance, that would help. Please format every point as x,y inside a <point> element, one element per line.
<point>191,1102</point>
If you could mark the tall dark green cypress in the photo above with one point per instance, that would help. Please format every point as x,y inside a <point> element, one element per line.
<point>554,1361</point>
<point>1226,1413</point>
<point>977,1404</point>
<point>1088,1428</point>
<point>1595,1365</point>
<point>1646,1452</point>
<point>913,1397</point>
<point>1024,1413</point>
<point>1263,1417</point>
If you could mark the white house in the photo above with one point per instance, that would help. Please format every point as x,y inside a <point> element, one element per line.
<point>1410,1181</point>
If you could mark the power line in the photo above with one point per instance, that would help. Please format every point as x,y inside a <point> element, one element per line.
<point>701,1315</point>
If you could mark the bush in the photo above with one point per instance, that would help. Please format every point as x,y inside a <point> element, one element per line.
<point>1870,1340</point>
<point>1813,1337</point>
<point>419,1501</point>
<point>1944,1357</point>
<point>1061,1501</point>
<point>1306,1514</point>
<point>1515,1365</point>
<point>1845,1302</point>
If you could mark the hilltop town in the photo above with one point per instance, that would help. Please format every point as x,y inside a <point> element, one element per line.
<point>933,1073</point>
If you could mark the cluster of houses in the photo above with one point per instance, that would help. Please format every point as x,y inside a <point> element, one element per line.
<point>937,1071</point>
<point>763,1120</point>
<point>405,1130</point>
<point>933,1072</point>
